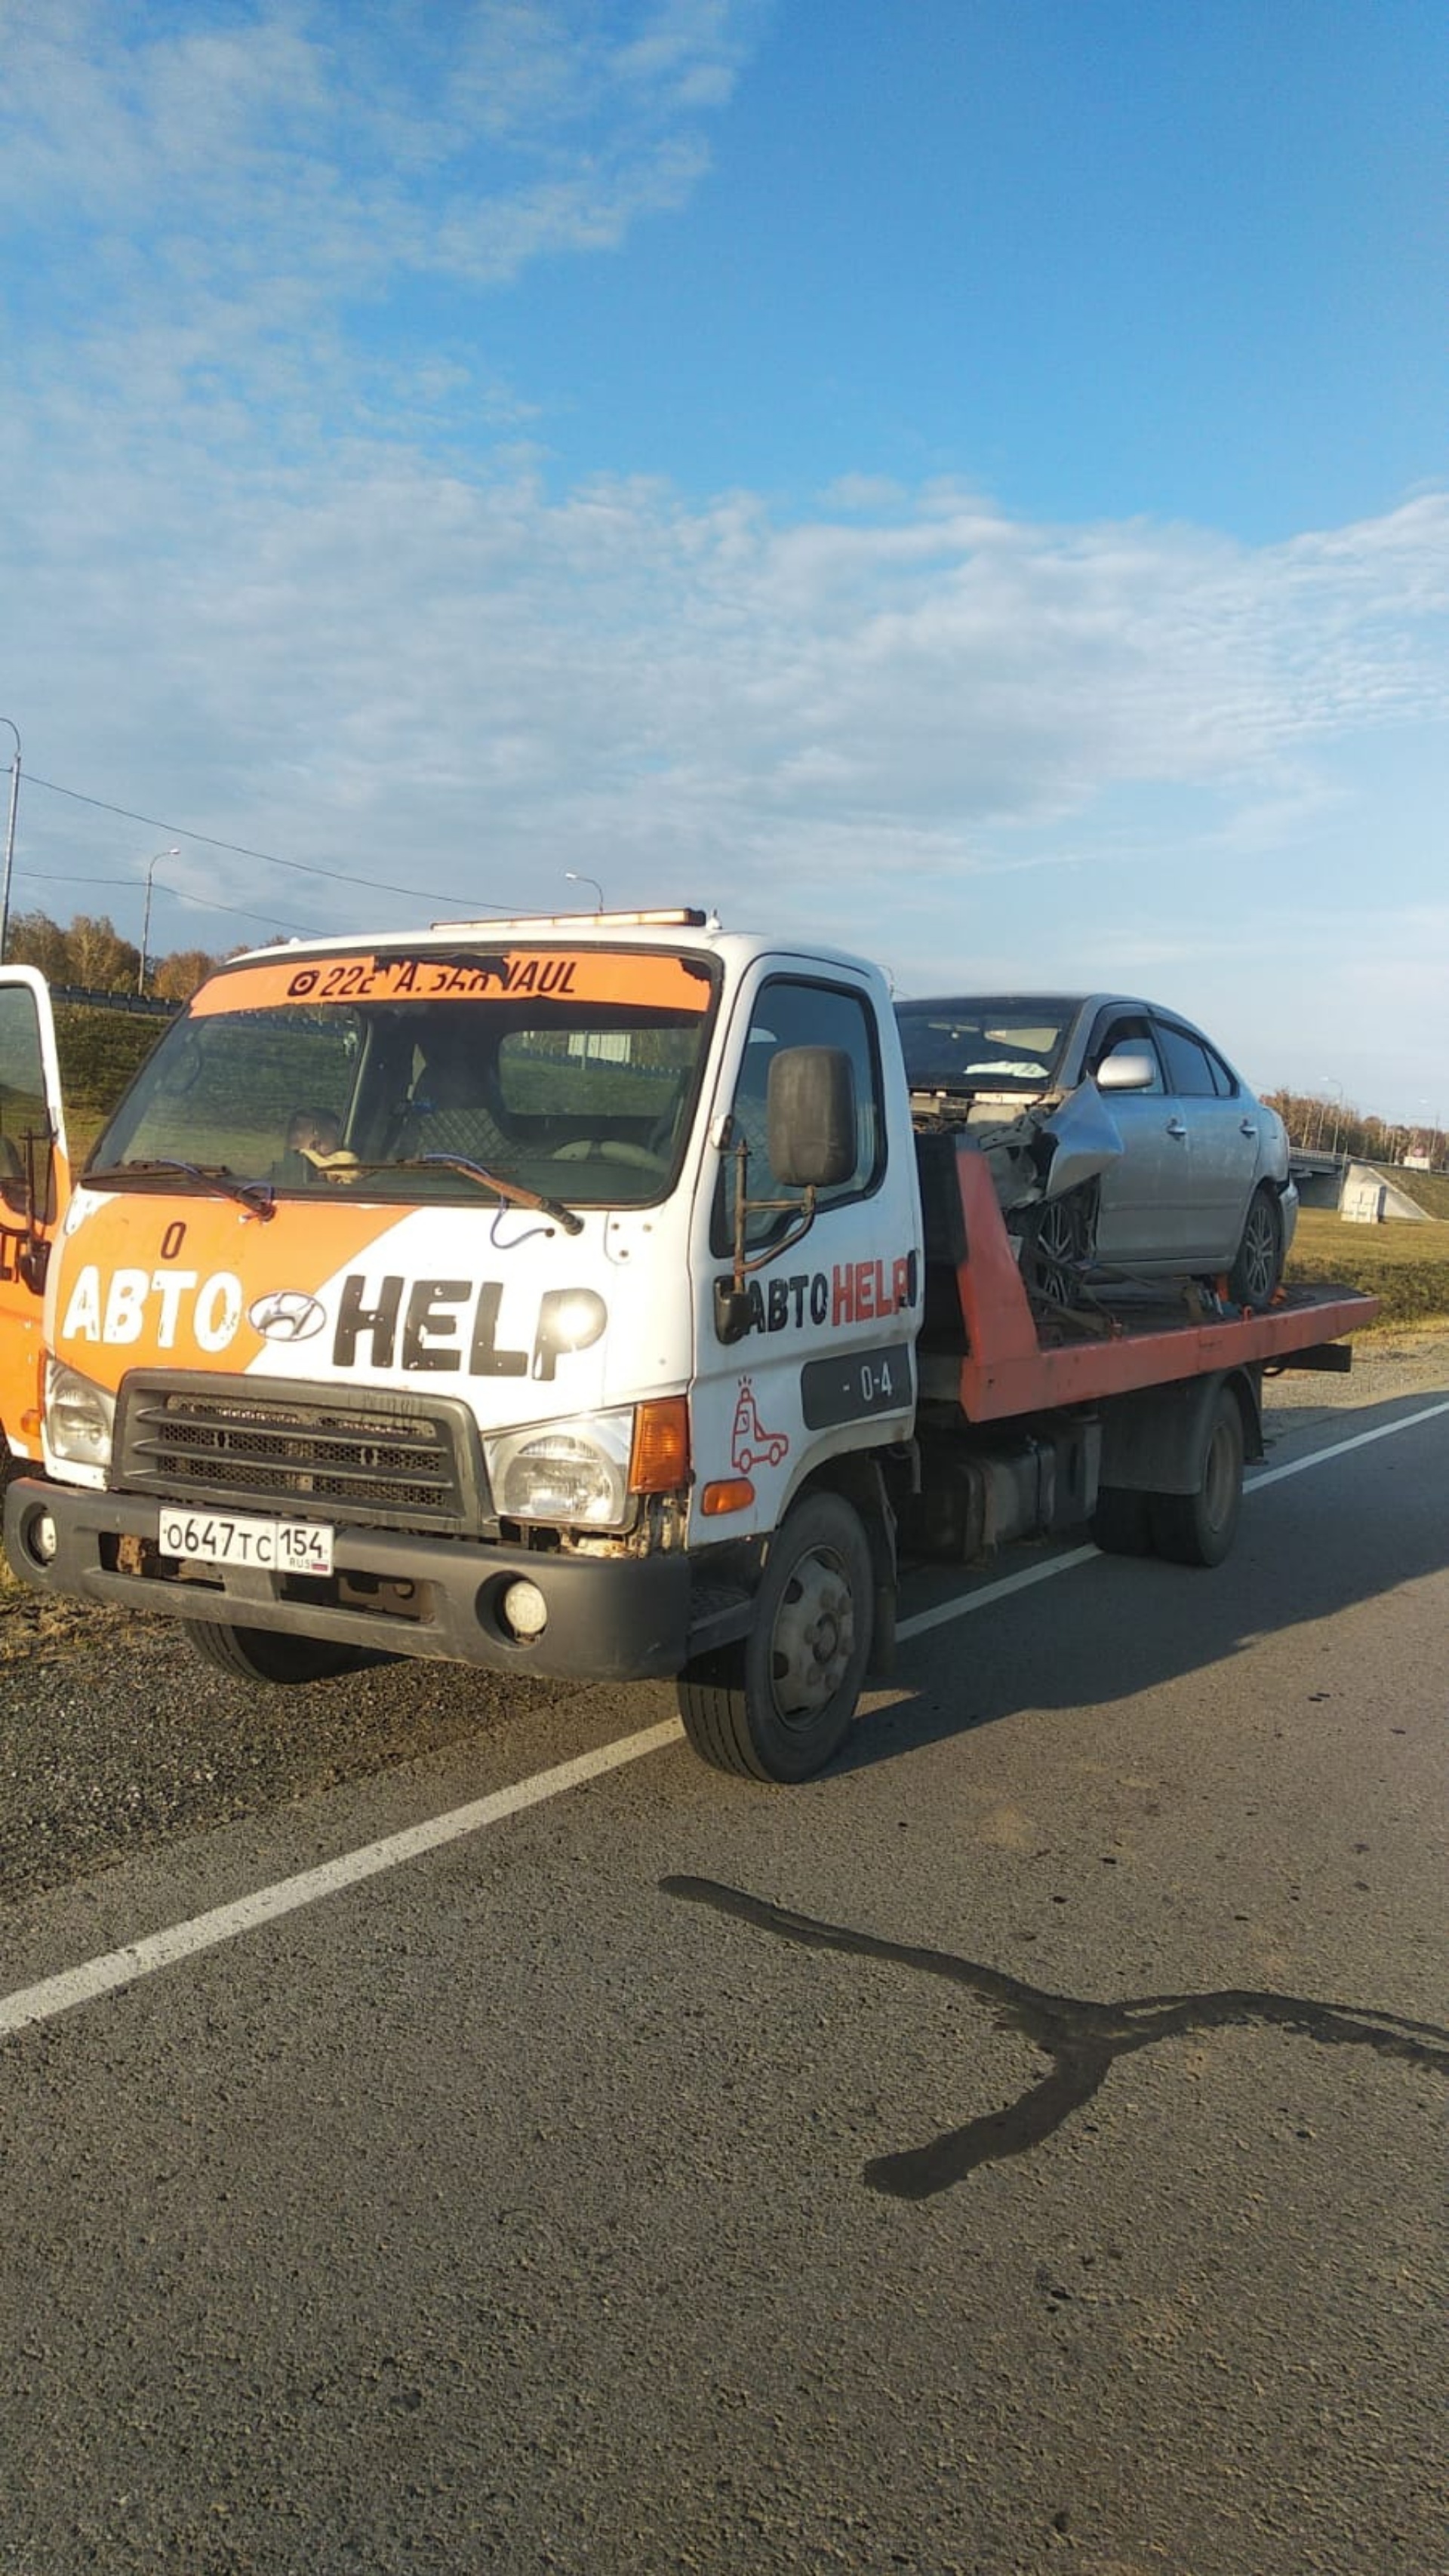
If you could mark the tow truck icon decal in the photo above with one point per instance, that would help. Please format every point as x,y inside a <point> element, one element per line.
<point>753,1446</point>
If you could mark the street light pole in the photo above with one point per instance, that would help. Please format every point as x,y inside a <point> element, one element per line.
<point>572,877</point>
<point>151,866</point>
<point>1337,1110</point>
<point>9,838</point>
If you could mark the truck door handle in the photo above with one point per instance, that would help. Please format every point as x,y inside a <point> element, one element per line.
<point>1175,1127</point>
<point>1247,1126</point>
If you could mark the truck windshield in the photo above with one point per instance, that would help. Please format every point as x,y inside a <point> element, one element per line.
<point>569,1075</point>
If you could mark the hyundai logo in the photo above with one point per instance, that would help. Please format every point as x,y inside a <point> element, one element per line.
<point>287,1315</point>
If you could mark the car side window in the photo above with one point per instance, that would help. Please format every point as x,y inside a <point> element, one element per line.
<point>788,1013</point>
<point>1225,1081</point>
<point>1128,1033</point>
<point>1189,1068</point>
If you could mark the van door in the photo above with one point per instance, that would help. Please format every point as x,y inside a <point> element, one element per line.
<point>34,1190</point>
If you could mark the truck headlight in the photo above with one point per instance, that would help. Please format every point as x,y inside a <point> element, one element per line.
<point>80,1417</point>
<point>571,1473</point>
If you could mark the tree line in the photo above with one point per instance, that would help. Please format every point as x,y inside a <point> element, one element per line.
<point>90,953</point>
<point>1329,1126</point>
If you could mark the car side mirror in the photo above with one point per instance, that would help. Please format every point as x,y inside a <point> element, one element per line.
<point>1126,1071</point>
<point>810,1117</point>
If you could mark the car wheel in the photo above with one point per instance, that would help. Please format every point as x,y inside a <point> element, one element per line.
<point>1258,1264</point>
<point>267,1654</point>
<point>779,1705</point>
<point>1057,1245</point>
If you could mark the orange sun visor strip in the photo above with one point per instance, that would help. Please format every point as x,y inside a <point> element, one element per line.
<point>660,983</point>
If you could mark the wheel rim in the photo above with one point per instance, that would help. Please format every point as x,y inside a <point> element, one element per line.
<point>814,1638</point>
<point>1060,1248</point>
<point>1260,1246</point>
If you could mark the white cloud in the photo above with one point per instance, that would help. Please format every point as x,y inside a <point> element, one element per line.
<point>331,148</point>
<point>253,584</point>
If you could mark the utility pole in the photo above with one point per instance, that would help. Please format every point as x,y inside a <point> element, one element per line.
<point>9,838</point>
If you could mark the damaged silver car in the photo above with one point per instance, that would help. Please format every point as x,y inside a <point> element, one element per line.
<point>1122,1144</point>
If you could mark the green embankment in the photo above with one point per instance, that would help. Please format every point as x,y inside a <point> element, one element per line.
<point>100,1052</point>
<point>1403,1264</point>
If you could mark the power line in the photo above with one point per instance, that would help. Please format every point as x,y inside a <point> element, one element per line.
<point>239,849</point>
<point>39,876</point>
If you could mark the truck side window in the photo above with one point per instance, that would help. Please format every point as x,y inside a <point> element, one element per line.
<point>791,1014</point>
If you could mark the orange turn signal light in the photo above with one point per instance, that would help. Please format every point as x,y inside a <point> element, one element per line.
<point>659,1458</point>
<point>728,1494</point>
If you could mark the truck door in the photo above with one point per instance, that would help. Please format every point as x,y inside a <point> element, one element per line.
<point>34,1188</point>
<point>822,1358</point>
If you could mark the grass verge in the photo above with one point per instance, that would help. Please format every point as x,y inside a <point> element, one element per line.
<point>1406,1266</point>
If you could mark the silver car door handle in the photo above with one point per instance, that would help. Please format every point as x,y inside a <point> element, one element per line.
<point>1175,1127</point>
<point>1247,1127</point>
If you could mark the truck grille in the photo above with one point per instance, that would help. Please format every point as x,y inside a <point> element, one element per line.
<point>384,1459</point>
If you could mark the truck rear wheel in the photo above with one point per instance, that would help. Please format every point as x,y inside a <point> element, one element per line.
<point>267,1654</point>
<point>779,1704</point>
<point>1121,1523</point>
<point>1198,1529</point>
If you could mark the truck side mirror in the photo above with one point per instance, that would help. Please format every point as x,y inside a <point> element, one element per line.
<point>810,1117</point>
<point>1127,1070</point>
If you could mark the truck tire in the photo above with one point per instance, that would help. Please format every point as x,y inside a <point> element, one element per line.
<point>779,1704</point>
<point>1121,1524</point>
<point>267,1654</point>
<point>1258,1262</point>
<point>1198,1529</point>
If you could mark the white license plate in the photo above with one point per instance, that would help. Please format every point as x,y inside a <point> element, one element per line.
<point>234,1538</point>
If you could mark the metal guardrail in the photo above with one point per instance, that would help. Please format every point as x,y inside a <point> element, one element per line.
<point>147,1006</point>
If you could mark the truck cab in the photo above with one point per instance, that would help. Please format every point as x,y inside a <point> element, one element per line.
<point>493,1293</point>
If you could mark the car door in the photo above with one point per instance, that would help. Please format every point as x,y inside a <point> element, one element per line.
<point>1223,1135</point>
<point>1146,1214</point>
<point>34,1187</point>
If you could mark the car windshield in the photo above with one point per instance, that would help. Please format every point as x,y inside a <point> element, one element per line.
<point>985,1042</point>
<point>567,1074</point>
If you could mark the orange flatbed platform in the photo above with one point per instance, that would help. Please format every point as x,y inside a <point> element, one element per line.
<point>1006,1369</point>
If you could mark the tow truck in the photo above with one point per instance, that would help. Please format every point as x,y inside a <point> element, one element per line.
<point>570,1296</point>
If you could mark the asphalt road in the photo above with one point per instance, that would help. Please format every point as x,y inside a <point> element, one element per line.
<point>1023,2148</point>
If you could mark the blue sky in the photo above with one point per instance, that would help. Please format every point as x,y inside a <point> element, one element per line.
<point>968,481</point>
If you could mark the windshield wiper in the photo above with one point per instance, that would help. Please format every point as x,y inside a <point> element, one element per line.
<point>513,1191</point>
<point>258,1196</point>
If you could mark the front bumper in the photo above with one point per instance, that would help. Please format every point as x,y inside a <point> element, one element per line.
<point>609,1618</point>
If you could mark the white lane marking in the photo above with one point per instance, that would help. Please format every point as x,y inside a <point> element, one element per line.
<point>163,1949</point>
<point>101,1976</point>
<point>962,1608</point>
<point>1341,1448</point>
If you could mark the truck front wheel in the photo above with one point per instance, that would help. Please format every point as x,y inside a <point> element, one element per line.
<point>780,1703</point>
<point>267,1654</point>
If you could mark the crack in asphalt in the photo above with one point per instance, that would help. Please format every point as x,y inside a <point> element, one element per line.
<point>1083,2040</point>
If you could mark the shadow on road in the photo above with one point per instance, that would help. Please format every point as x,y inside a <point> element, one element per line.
<point>1368,1525</point>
